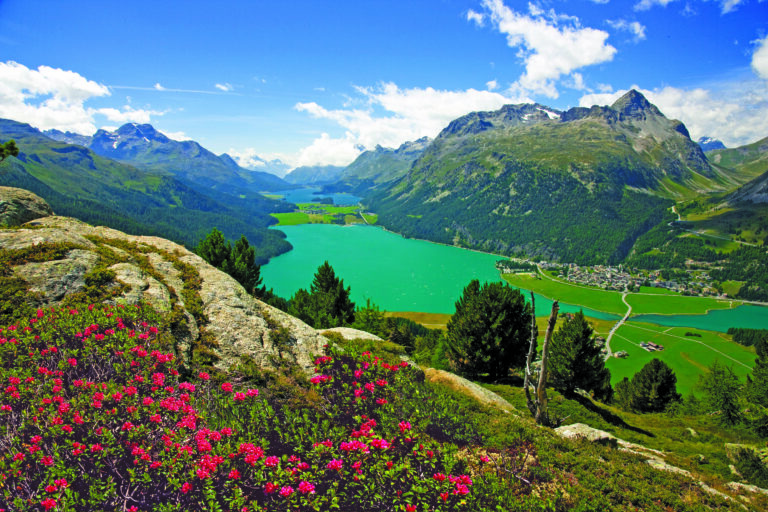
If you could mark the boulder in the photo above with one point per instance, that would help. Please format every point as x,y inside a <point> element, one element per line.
<point>18,206</point>
<point>468,388</point>
<point>240,324</point>
<point>580,430</point>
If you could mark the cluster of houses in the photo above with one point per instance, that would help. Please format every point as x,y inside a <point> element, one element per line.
<point>621,279</point>
<point>651,347</point>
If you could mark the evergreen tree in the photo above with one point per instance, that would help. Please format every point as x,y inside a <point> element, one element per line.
<point>575,361</point>
<point>8,149</point>
<point>489,331</point>
<point>241,264</point>
<point>327,304</point>
<point>721,392</point>
<point>652,389</point>
<point>332,297</point>
<point>757,383</point>
<point>370,319</point>
<point>214,248</point>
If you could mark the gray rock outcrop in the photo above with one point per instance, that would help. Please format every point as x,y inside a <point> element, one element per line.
<point>468,388</point>
<point>18,206</point>
<point>240,324</point>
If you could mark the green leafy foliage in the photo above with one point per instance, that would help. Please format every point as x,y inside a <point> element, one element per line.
<point>749,264</point>
<point>7,149</point>
<point>238,261</point>
<point>721,389</point>
<point>489,331</point>
<point>652,389</point>
<point>574,360</point>
<point>327,304</point>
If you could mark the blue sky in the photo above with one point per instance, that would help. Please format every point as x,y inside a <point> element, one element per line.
<point>314,82</point>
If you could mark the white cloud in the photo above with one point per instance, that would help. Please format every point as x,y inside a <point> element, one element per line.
<point>180,136</point>
<point>727,6</point>
<point>159,87</point>
<point>390,116</point>
<point>734,113</point>
<point>247,158</point>
<point>633,27</point>
<point>226,87</point>
<point>644,5</point>
<point>492,85</point>
<point>760,58</point>
<point>327,150</point>
<point>600,1</point>
<point>551,45</point>
<point>475,17</point>
<point>55,98</point>
<point>127,115</point>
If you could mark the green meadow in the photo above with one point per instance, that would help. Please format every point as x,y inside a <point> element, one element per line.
<point>688,356</point>
<point>593,298</point>
<point>318,213</point>
<point>648,301</point>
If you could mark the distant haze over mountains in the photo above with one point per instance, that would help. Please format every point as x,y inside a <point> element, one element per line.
<point>142,145</point>
<point>709,144</point>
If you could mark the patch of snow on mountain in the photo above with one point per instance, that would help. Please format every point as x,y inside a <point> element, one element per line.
<point>550,114</point>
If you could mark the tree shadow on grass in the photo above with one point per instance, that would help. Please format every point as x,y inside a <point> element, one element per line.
<point>608,416</point>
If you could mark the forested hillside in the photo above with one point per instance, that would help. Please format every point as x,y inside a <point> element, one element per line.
<point>77,182</point>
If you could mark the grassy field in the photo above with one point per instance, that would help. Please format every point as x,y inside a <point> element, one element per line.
<point>593,298</point>
<point>429,320</point>
<point>688,356</point>
<point>317,213</point>
<point>676,304</point>
<point>659,302</point>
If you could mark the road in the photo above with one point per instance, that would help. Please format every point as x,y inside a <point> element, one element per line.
<point>617,325</point>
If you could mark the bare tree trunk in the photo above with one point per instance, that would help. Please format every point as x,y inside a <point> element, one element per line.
<point>542,416</point>
<point>531,354</point>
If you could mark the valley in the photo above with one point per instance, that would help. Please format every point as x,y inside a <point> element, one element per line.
<point>421,280</point>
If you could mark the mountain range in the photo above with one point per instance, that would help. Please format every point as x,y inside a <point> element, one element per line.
<point>143,146</point>
<point>578,185</point>
<point>153,197</point>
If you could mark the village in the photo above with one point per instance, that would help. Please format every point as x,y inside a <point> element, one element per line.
<point>619,278</point>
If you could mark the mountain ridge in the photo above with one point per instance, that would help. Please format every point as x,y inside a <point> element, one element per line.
<point>531,172</point>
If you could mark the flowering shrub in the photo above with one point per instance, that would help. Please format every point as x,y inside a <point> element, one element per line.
<point>95,416</point>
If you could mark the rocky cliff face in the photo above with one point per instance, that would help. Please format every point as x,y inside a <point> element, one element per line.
<point>18,206</point>
<point>212,311</point>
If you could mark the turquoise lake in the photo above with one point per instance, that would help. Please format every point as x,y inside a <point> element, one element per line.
<point>310,194</point>
<point>401,274</point>
<point>396,273</point>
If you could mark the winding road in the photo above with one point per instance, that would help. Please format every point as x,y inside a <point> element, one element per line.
<point>616,327</point>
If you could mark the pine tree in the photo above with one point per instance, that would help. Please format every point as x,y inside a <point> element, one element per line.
<point>214,248</point>
<point>721,392</point>
<point>327,304</point>
<point>575,361</point>
<point>489,331</point>
<point>241,264</point>
<point>653,388</point>
<point>757,383</point>
<point>8,149</point>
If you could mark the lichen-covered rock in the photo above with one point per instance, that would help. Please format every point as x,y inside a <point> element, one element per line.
<point>349,333</point>
<point>468,388</point>
<point>580,430</point>
<point>18,206</point>
<point>54,280</point>
<point>241,325</point>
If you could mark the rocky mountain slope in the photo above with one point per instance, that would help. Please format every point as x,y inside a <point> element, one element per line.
<point>78,182</point>
<point>212,316</point>
<point>314,175</point>
<point>579,185</point>
<point>744,162</point>
<point>381,165</point>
